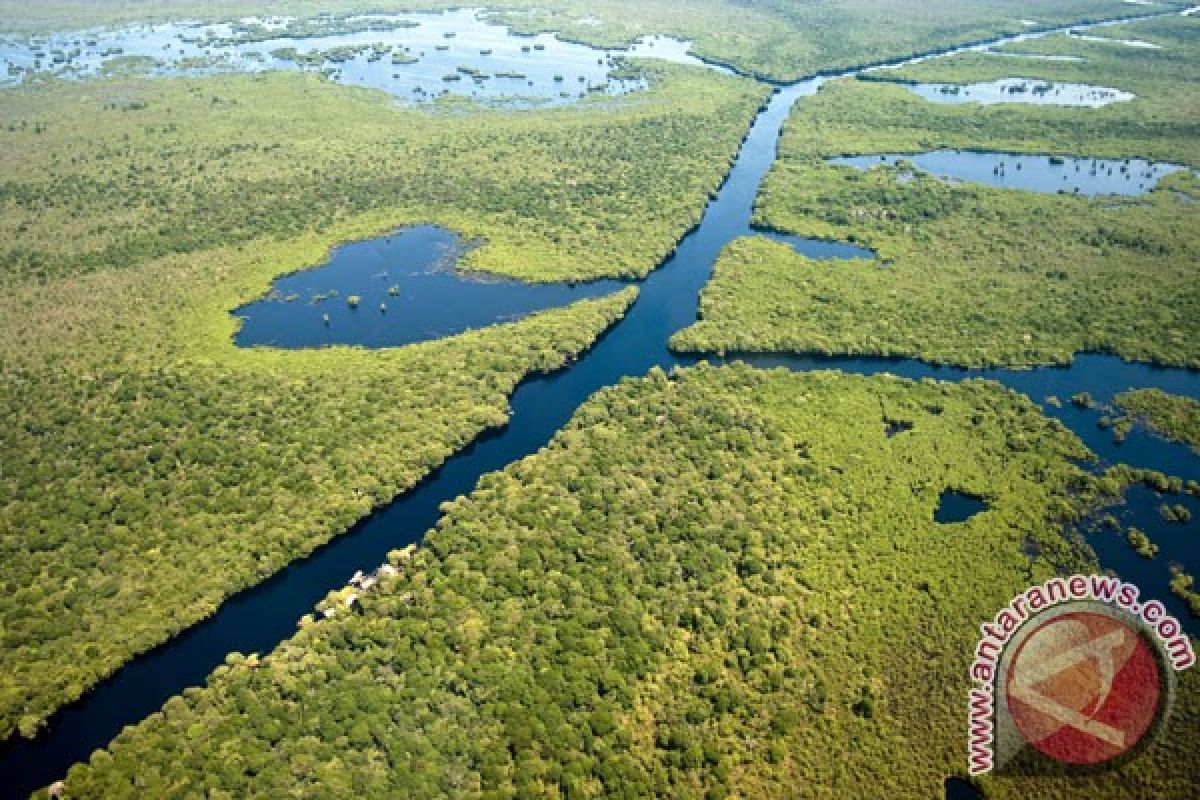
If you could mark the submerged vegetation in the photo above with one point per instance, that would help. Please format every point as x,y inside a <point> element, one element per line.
<point>775,39</point>
<point>968,274</point>
<point>151,468</point>
<point>696,588</point>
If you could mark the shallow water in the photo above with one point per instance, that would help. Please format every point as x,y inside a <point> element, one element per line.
<point>258,619</point>
<point>1021,90</point>
<point>1033,173</point>
<point>496,65</point>
<point>1035,56</point>
<point>1138,43</point>
<point>405,289</point>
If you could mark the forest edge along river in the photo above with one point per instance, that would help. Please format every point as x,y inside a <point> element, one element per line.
<point>257,619</point>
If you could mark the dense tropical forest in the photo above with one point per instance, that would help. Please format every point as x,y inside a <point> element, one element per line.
<point>604,188</point>
<point>702,582</point>
<point>968,274</point>
<point>715,581</point>
<point>153,468</point>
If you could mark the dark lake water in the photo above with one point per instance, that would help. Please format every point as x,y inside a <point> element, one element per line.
<point>958,789</point>
<point>404,288</point>
<point>818,248</point>
<point>258,619</point>
<point>954,507</point>
<point>1032,173</point>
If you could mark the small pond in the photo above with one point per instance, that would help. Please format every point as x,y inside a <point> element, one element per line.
<point>958,789</point>
<point>415,56</point>
<point>818,249</point>
<point>1021,90</point>
<point>1034,173</point>
<point>1139,43</point>
<point>1033,56</point>
<point>393,291</point>
<point>955,506</point>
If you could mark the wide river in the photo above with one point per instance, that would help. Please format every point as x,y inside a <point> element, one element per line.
<point>258,619</point>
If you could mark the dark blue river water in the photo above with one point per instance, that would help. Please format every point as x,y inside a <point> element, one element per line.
<point>258,619</point>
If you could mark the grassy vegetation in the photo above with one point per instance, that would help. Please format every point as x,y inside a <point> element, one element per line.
<point>602,188</point>
<point>778,39</point>
<point>725,583</point>
<point>150,468</point>
<point>969,274</point>
<point>1177,418</point>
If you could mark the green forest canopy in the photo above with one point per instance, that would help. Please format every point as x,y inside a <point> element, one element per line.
<point>1175,417</point>
<point>727,582</point>
<point>602,188</point>
<point>152,468</point>
<point>969,274</point>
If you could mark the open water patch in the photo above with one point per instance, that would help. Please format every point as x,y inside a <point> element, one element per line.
<point>1140,44</point>
<point>955,506</point>
<point>1034,56</point>
<point>416,56</point>
<point>959,789</point>
<point>1021,90</point>
<point>818,249</point>
<point>392,291</point>
<point>1033,173</point>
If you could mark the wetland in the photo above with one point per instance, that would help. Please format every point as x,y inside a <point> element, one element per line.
<point>599,399</point>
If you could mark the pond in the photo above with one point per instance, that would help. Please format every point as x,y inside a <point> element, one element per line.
<point>958,789</point>
<point>1034,173</point>
<point>1139,43</point>
<point>392,291</point>
<point>416,56</point>
<point>1021,90</point>
<point>955,506</point>
<point>1034,56</point>
<point>821,249</point>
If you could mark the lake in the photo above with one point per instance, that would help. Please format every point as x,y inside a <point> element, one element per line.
<point>395,290</point>
<point>1021,90</point>
<point>1032,173</point>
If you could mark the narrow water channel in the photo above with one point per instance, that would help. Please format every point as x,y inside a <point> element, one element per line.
<point>258,619</point>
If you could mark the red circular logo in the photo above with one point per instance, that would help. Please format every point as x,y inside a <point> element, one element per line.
<point>1083,687</point>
